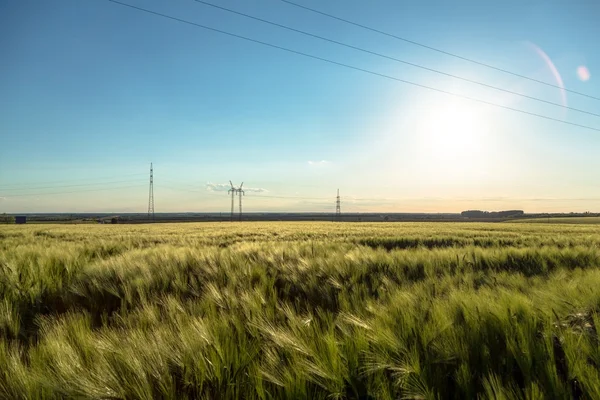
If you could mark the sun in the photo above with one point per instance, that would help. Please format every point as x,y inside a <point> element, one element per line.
<point>451,129</point>
<point>451,137</point>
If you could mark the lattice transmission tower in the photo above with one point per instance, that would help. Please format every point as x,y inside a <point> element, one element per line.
<point>233,192</point>
<point>240,192</point>
<point>151,195</point>
<point>338,208</point>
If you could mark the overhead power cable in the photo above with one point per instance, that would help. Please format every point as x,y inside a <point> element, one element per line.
<point>437,50</point>
<point>66,186</point>
<point>210,193</point>
<point>394,58</point>
<point>196,186</point>
<point>291,197</point>
<point>20,185</point>
<point>387,199</point>
<point>71,192</point>
<point>199,191</point>
<point>352,67</point>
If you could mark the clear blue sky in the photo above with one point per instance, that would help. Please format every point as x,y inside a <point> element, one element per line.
<point>91,92</point>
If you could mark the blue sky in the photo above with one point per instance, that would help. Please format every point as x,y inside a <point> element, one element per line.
<point>91,92</point>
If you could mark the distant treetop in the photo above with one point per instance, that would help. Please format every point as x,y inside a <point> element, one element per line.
<point>492,214</point>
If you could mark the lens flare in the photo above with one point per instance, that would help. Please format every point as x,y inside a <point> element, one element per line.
<point>554,70</point>
<point>583,73</point>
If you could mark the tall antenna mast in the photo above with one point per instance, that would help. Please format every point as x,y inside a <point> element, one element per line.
<point>151,195</point>
<point>241,193</point>
<point>233,191</point>
<point>338,209</point>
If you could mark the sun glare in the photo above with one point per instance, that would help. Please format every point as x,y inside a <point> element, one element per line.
<point>452,129</point>
<point>452,138</point>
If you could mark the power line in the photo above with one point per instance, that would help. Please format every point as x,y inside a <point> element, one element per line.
<point>189,190</point>
<point>290,197</point>
<point>181,189</point>
<point>18,186</point>
<point>437,50</point>
<point>353,67</point>
<point>394,59</point>
<point>65,186</point>
<point>182,184</point>
<point>388,199</point>
<point>209,193</point>
<point>352,199</point>
<point>324,199</point>
<point>212,193</point>
<point>77,191</point>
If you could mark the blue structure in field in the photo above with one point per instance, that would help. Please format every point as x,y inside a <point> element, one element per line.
<point>20,219</point>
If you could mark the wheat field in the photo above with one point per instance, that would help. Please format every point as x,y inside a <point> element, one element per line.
<point>300,310</point>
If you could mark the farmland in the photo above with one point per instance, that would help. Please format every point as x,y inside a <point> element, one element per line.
<point>300,310</point>
<point>562,220</point>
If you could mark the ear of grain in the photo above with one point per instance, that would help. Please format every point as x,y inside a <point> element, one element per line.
<point>300,310</point>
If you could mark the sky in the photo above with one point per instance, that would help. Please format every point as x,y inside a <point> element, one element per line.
<point>92,92</point>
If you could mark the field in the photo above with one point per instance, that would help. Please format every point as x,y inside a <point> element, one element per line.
<point>300,310</point>
<point>562,220</point>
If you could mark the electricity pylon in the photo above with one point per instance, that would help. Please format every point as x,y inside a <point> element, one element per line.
<point>151,195</point>
<point>241,193</point>
<point>338,208</point>
<point>233,192</point>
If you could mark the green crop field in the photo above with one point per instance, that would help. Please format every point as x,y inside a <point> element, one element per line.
<point>300,311</point>
<point>562,220</point>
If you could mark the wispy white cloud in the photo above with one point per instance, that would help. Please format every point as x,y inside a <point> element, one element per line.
<point>318,163</point>
<point>2,198</point>
<point>223,187</point>
<point>255,190</point>
<point>217,187</point>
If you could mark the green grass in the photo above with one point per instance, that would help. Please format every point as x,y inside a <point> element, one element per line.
<point>300,310</point>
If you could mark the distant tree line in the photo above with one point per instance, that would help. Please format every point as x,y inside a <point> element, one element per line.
<point>492,214</point>
<point>7,219</point>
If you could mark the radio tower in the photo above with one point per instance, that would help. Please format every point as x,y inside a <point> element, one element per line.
<point>240,193</point>
<point>151,195</point>
<point>233,191</point>
<point>338,209</point>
